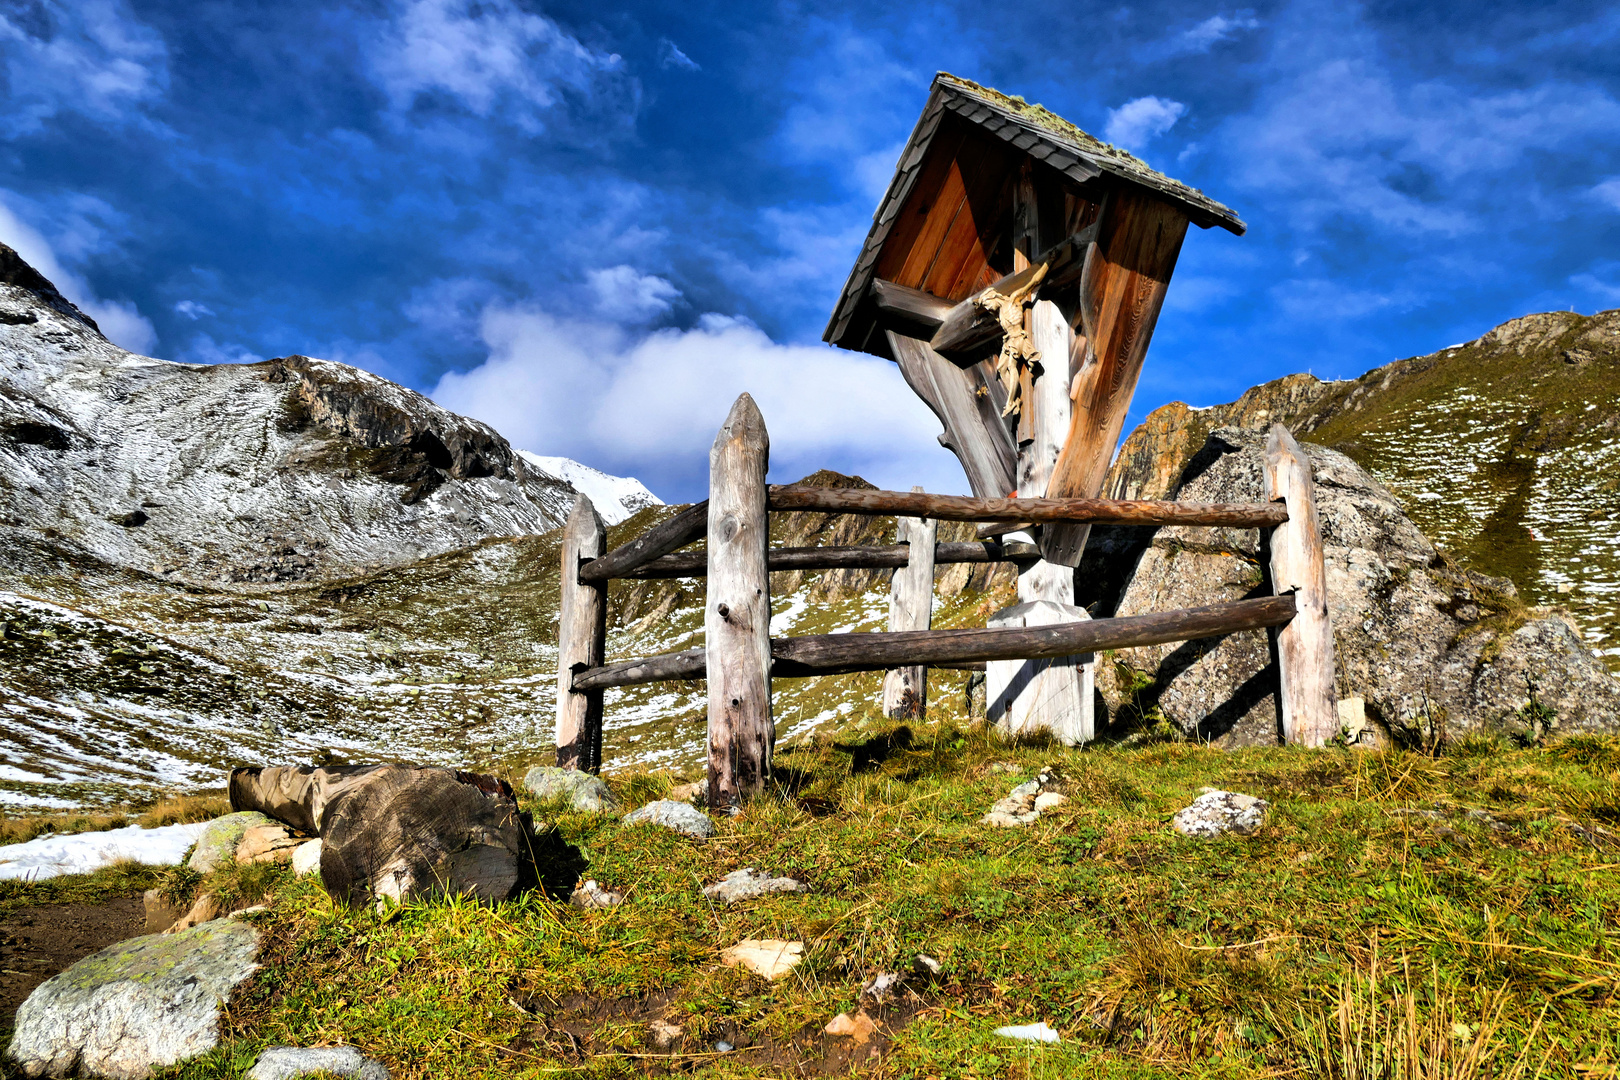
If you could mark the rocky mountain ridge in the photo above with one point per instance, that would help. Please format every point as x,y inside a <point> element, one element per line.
<point>293,469</point>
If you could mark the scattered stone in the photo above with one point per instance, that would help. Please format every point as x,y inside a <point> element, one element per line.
<point>1027,801</point>
<point>1216,812</point>
<point>205,908</point>
<point>220,837</point>
<point>290,1062</point>
<point>723,1047</point>
<point>306,858</point>
<point>682,817</point>
<point>886,983</point>
<point>582,791</point>
<point>248,912</point>
<point>769,958</point>
<point>267,843</point>
<point>589,895</point>
<point>747,883</point>
<point>926,967</point>
<point>1032,1032</point>
<point>136,1006</point>
<point>160,913</point>
<point>664,1035</point>
<point>696,791</point>
<point>856,1025</point>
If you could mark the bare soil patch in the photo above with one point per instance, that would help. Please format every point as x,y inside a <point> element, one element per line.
<point>40,941</point>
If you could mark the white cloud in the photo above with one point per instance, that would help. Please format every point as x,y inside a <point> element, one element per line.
<point>1603,283</point>
<point>651,403</point>
<point>1609,191</point>
<point>1336,135</point>
<point>121,323</point>
<point>1320,299</point>
<point>90,56</point>
<point>1215,29</point>
<point>1137,122</point>
<point>205,350</point>
<point>670,56</point>
<point>192,310</point>
<point>482,53</point>
<point>626,295</point>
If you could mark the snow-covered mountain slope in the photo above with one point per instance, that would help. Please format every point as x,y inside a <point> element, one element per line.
<point>288,470</point>
<point>616,498</point>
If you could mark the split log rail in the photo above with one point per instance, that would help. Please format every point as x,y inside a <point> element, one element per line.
<point>740,657</point>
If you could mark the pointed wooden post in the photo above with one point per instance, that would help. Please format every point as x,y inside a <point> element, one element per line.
<point>737,616</point>
<point>911,607</point>
<point>581,641</point>
<point>1310,711</point>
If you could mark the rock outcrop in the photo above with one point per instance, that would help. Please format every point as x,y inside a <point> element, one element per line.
<point>1503,450</point>
<point>291,469</point>
<point>138,1005</point>
<point>1433,651</point>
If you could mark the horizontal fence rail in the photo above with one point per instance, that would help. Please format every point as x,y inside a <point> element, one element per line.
<point>874,557</point>
<point>688,525</point>
<point>835,654</point>
<point>1033,511</point>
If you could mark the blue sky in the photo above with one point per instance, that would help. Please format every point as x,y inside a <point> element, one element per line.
<point>592,224</point>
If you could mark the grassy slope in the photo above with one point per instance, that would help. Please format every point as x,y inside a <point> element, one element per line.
<point>1152,954</point>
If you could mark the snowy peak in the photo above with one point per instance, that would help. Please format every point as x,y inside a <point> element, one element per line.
<point>616,498</point>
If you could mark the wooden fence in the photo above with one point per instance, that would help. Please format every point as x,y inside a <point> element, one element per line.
<point>740,658</point>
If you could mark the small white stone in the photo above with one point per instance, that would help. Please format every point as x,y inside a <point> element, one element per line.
<point>1031,1032</point>
<point>307,859</point>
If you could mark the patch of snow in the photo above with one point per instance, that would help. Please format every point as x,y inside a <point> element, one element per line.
<point>616,497</point>
<point>84,853</point>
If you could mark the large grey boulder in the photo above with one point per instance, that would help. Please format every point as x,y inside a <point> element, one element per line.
<point>216,845</point>
<point>682,817</point>
<point>1427,649</point>
<point>139,1005</point>
<point>291,1062</point>
<point>582,791</point>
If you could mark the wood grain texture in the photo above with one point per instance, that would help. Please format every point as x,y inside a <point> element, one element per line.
<point>1305,661</point>
<point>689,564</point>
<point>1035,511</point>
<point>688,525</point>
<point>581,641</point>
<point>1121,290</point>
<point>1049,413</point>
<point>1055,695</point>
<point>911,607</point>
<point>829,654</point>
<point>974,431</point>
<point>737,612</point>
<point>920,202</point>
<point>921,310</point>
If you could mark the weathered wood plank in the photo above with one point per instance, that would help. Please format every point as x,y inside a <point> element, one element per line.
<point>1310,709</point>
<point>1036,511</point>
<point>915,307</point>
<point>737,612</point>
<point>911,607</point>
<point>974,431</point>
<point>581,641</point>
<point>919,202</point>
<point>687,664</point>
<point>688,564</point>
<point>688,525</point>
<point>1121,290</point>
<point>1053,695</point>
<point>830,654</point>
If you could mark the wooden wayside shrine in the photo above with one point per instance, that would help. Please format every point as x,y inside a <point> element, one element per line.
<point>1014,272</point>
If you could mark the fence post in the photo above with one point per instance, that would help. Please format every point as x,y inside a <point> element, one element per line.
<point>1310,714</point>
<point>737,613</point>
<point>581,641</point>
<point>911,607</point>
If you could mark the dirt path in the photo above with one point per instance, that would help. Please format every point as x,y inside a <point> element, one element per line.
<point>38,942</point>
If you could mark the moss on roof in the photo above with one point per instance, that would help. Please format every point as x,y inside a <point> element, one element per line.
<point>1041,116</point>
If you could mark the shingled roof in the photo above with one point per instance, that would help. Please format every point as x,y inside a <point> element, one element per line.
<point>1045,136</point>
